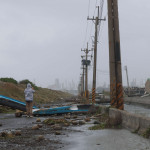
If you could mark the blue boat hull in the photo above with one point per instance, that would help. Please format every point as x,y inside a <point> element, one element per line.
<point>12,103</point>
<point>59,110</point>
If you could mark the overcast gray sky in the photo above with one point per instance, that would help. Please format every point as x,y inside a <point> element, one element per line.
<point>41,39</point>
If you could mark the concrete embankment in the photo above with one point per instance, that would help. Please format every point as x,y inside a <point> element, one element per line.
<point>128,120</point>
<point>142,101</point>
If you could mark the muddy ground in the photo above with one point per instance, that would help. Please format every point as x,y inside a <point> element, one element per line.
<point>44,137</point>
<point>23,135</point>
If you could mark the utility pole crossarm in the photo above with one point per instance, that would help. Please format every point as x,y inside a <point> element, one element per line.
<point>95,19</point>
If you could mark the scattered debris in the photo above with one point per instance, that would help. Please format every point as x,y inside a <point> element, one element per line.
<point>66,124</point>
<point>38,120</point>
<point>75,123</point>
<point>81,122</point>
<point>10,135</point>
<point>57,127</point>
<point>18,113</point>
<point>35,127</point>
<point>3,134</point>
<point>57,133</point>
<point>39,137</point>
<point>67,116</point>
<point>75,116</point>
<point>40,125</point>
<point>96,122</point>
<point>17,133</point>
<point>87,119</point>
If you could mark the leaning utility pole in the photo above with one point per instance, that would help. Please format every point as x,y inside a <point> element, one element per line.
<point>116,89</point>
<point>95,54</point>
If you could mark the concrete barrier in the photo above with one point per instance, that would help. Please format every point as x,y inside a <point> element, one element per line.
<point>128,120</point>
<point>104,109</point>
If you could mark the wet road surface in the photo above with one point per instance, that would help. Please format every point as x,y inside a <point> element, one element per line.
<point>9,121</point>
<point>140,110</point>
<point>84,139</point>
<point>107,139</point>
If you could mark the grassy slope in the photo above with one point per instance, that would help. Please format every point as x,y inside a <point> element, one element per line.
<point>42,95</point>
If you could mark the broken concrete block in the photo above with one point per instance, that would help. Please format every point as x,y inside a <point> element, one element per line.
<point>38,120</point>
<point>36,127</point>
<point>40,125</point>
<point>57,133</point>
<point>17,133</point>
<point>75,123</point>
<point>39,137</point>
<point>57,127</point>
<point>87,119</point>
<point>81,122</point>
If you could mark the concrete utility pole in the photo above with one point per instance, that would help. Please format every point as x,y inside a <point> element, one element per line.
<point>86,76</point>
<point>80,87</point>
<point>83,85</point>
<point>86,62</point>
<point>116,89</point>
<point>95,54</point>
<point>126,69</point>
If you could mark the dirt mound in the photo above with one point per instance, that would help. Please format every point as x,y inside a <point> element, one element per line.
<point>41,96</point>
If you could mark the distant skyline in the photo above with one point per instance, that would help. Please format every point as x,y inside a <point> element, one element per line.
<point>41,40</point>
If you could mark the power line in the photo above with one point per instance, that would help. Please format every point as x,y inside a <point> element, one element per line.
<point>100,15</point>
<point>89,7</point>
<point>92,23</point>
<point>85,34</point>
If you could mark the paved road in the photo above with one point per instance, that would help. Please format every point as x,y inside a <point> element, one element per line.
<point>85,139</point>
<point>105,140</point>
<point>9,121</point>
<point>138,100</point>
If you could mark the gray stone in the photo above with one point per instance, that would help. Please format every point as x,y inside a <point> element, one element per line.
<point>81,122</point>
<point>57,133</point>
<point>57,127</point>
<point>38,120</point>
<point>96,122</point>
<point>68,117</point>
<point>17,132</point>
<point>35,127</point>
<point>3,134</point>
<point>40,125</point>
<point>75,123</point>
<point>87,119</point>
<point>39,137</point>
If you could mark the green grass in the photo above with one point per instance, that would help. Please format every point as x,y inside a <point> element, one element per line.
<point>9,80</point>
<point>98,127</point>
<point>54,121</point>
<point>146,134</point>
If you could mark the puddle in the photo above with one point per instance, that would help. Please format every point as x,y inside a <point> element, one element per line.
<point>107,139</point>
